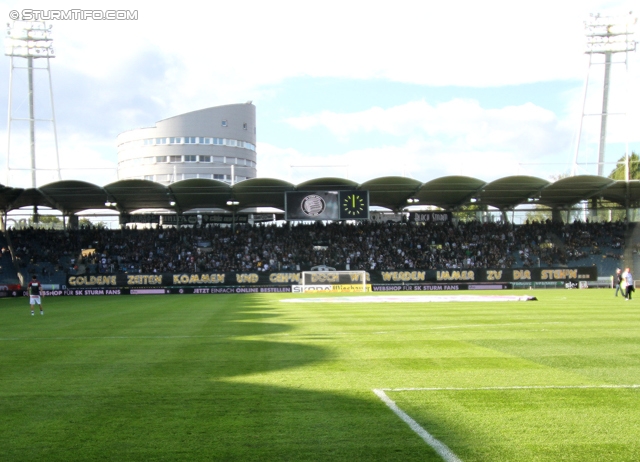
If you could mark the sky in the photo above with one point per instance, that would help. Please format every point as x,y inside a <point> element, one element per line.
<point>348,88</point>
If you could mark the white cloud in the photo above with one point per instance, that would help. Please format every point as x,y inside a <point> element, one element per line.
<point>118,75</point>
<point>275,162</point>
<point>241,46</point>
<point>78,160</point>
<point>527,128</point>
<point>415,158</point>
<point>458,137</point>
<point>100,170</point>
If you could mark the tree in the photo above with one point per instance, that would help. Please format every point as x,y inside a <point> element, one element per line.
<point>559,176</point>
<point>469,212</point>
<point>540,213</point>
<point>619,173</point>
<point>86,223</point>
<point>612,211</point>
<point>46,221</point>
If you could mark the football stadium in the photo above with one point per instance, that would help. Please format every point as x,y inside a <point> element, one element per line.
<point>223,316</point>
<point>211,336</point>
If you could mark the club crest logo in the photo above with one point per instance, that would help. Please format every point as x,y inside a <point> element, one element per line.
<point>313,205</point>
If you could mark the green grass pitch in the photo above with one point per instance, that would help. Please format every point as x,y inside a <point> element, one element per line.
<point>249,378</point>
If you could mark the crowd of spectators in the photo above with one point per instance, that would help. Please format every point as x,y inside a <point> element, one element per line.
<point>363,246</point>
<point>553,243</point>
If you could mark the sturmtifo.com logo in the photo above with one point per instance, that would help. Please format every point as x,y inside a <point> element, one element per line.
<point>313,205</point>
<point>73,15</point>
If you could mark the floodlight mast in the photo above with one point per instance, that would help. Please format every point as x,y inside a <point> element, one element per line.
<point>30,40</point>
<point>606,36</point>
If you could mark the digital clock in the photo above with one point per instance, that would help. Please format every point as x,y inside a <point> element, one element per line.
<point>354,205</point>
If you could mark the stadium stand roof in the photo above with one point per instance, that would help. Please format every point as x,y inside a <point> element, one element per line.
<point>450,192</point>
<point>392,192</point>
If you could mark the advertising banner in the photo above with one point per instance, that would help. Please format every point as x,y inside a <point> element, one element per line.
<point>430,217</point>
<point>331,288</point>
<point>550,277</point>
<point>193,219</point>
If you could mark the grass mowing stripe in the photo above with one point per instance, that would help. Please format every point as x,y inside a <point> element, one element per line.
<point>245,377</point>
<point>437,445</point>
<point>524,387</point>
<point>119,337</point>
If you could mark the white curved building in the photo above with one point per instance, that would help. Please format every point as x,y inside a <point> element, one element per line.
<point>216,143</point>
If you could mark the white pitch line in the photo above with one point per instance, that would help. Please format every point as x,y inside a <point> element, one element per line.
<point>523,387</point>
<point>437,445</point>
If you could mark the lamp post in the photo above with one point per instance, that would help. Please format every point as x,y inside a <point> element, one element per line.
<point>30,40</point>
<point>606,36</point>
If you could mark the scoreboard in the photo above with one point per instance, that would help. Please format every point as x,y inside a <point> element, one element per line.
<point>327,205</point>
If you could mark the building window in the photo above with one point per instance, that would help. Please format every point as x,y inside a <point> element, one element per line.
<point>175,158</point>
<point>224,123</point>
<point>190,158</point>
<point>188,140</point>
<point>244,126</point>
<point>148,177</point>
<point>205,158</point>
<point>161,159</point>
<point>218,176</point>
<point>219,160</point>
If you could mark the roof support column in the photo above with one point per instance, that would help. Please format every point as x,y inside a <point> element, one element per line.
<point>556,216</point>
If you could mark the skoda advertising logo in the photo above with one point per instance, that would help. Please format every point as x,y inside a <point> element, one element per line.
<point>313,205</point>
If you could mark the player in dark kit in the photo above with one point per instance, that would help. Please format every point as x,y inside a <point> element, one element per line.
<point>618,281</point>
<point>35,292</point>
